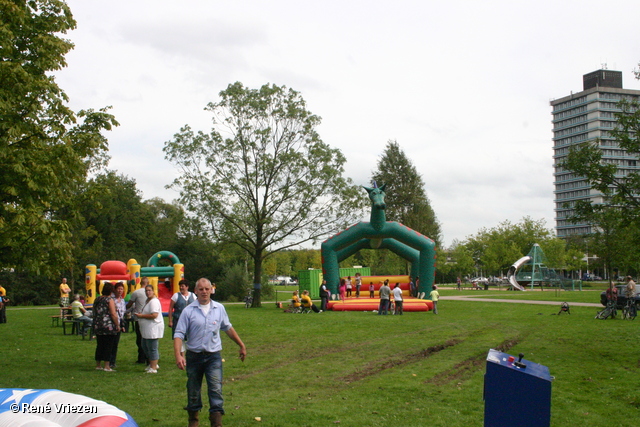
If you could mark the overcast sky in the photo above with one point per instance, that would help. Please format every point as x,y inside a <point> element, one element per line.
<point>463,86</point>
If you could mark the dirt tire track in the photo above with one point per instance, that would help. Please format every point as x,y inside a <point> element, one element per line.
<point>468,367</point>
<point>375,368</point>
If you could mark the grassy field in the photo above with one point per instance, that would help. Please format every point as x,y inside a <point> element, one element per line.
<point>357,368</point>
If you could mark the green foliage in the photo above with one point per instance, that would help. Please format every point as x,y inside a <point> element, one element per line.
<point>234,282</point>
<point>455,262</point>
<point>110,221</point>
<point>304,259</point>
<point>200,258</point>
<point>112,207</point>
<point>46,149</point>
<point>406,199</point>
<point>280,263</point>
<point>498,248</point>
<point>262,179</point>
<point>381,262</point>
<point>27,289</point>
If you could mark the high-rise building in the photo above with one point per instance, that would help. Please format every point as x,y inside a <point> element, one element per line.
<point>581,117</point>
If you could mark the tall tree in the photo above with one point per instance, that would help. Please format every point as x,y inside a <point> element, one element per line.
<point>262,179</point>
<point>46,150</point>
<point>406,198</point>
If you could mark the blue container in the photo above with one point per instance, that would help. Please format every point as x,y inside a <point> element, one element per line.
<point>516,396</point>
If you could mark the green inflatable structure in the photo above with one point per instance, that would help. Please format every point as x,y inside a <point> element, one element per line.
<point>379,233</point>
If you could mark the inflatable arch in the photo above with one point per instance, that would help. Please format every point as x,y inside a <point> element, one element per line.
<point>21,407</point>
<point>416,248</point>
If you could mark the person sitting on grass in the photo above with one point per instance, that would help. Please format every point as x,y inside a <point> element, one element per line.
<point>307,303</point>
<point>295,300</point>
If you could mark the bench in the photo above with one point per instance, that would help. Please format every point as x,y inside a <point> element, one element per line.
<point>77,328</point>
<point>55,319</point>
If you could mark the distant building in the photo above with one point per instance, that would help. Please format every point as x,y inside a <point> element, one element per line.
<point>580,117</point>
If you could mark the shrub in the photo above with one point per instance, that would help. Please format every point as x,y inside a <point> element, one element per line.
<point>26,289</point>
<point>234,282</point>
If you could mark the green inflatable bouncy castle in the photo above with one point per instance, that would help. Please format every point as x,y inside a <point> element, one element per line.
<point>379,233</point>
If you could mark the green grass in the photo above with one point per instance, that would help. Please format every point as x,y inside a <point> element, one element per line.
<point>354,368</point>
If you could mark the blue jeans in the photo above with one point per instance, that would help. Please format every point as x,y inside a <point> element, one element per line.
<point>86,322</point>
<point>384,306</point>
<point>150,347</point>
<point>208,365</point>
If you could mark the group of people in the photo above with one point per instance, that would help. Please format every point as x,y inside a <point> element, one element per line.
<point>304,301</point>
<point>196,321</point>
<point>385,293</point>
<point>629,290</point>
<point>346,286</point>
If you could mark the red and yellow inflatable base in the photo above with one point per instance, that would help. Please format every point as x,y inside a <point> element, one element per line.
<point>364,303</point>
<point>370,304</point>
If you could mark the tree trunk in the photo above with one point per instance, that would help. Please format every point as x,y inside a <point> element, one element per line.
<point>257,279</point>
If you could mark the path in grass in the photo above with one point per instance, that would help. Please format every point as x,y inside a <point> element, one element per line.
<point>482,298</point>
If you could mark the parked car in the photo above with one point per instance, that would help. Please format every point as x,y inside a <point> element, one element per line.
<point>622,296</point>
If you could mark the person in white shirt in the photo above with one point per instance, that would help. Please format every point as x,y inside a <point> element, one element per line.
<point>397,298</point>
<point>151,328</point>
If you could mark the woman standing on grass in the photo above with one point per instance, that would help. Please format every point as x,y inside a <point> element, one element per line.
<point>106,326</point>
<point>151,328</point>
<point>179,301</point>
<point>121,308</point>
